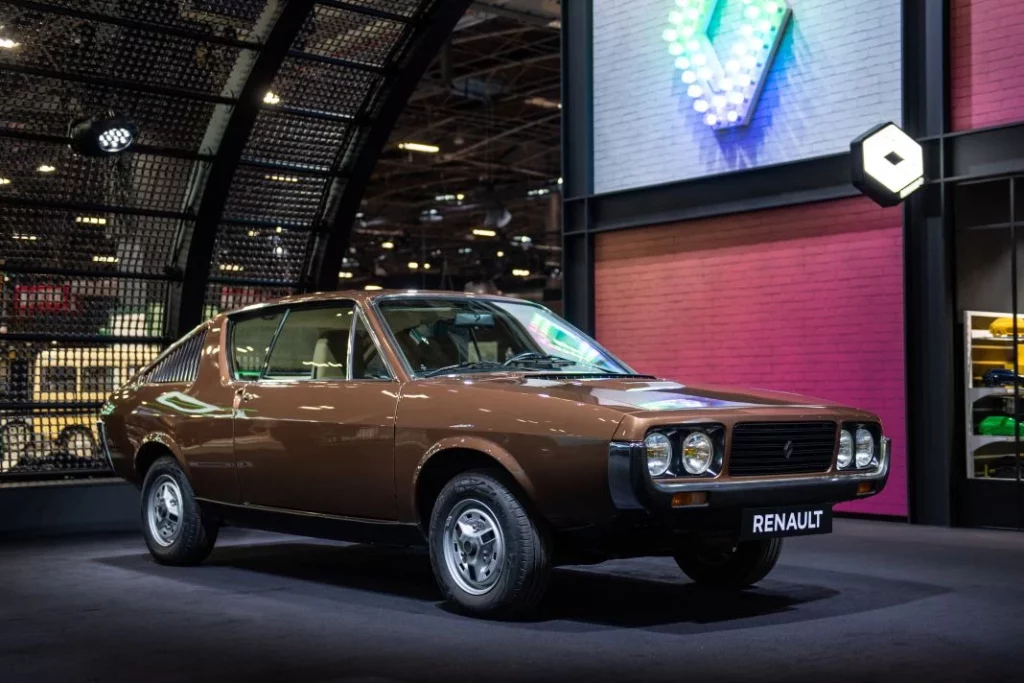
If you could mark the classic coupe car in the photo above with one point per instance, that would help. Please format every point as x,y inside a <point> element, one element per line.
<point>486,428</point>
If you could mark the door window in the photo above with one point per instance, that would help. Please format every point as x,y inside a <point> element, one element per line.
<point>98,379</point>
<point>367,362</point>
<point>250,342</point>
<point>59,379</point>
<point>313,343</point>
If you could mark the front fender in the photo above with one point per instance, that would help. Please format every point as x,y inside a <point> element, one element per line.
<point>473,443</point>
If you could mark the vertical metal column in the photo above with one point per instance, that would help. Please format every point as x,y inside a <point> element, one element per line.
<point>577,162</point>
<point>928,273</point>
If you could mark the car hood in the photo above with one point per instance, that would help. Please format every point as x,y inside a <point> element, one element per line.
<point>638,394</point>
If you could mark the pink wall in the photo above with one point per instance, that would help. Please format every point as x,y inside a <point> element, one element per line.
<point>806,299</point>
<point>986,62</point>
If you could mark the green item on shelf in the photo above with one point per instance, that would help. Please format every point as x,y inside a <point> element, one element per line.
<point>998,426</point>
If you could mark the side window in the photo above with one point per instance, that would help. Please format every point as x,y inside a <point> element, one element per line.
<point>313,343</point>
<point>98,379</point>
<point>59,379</point>
<point>250,342</point>
<point>366,360</point>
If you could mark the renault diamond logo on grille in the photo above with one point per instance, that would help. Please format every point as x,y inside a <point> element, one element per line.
<point>787,450</point>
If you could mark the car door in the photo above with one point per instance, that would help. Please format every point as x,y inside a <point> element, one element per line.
<point>314,433</point>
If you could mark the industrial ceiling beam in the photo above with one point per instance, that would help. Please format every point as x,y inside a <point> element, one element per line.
<point>346,194</point>
<point>222,169</point>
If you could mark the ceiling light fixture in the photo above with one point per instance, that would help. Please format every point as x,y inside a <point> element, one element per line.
<point>484,232</point>
<point>5,181</point>
<point>345,275</point>
<point>426,266</point>
<point>271,98</point>
<point>413,265</point>
<point>231,267</point>
<point>97,258</point>
<point>501,254</point>
<point>281,178</point>
<point>373,288</point>
<point>46,168</point>
<point>520,272</point>
<point>419,147</point>
<point>544,103</point>
<point>90,220</point>
<point>387,245</point>
<point>96,137</point>
<point>24,237</point>
<point>8,44</point>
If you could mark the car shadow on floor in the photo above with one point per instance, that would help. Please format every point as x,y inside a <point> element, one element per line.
<point>577,595</point>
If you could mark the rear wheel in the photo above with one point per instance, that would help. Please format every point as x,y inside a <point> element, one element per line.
<point>490,557</point>
<point>173,524</point>
<point>78,441</point>
<point>729,566</point>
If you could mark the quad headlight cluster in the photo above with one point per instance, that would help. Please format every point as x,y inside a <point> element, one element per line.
<point>685,452</point>
<point>858,447</point>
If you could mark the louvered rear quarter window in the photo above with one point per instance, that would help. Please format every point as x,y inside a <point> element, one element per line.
<point>181,362</point>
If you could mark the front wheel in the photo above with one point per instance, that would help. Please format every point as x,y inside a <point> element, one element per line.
<point>729,567</point>
<point>176,531</point>
<point>489,556</point>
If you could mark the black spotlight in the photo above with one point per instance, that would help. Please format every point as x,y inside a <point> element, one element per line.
<point>99,137</point>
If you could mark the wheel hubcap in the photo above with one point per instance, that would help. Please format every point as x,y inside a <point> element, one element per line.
<point>474,547</point>
<point>163,510</point>
<point>80,446</point>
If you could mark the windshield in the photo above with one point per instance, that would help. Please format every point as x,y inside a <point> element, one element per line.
<point>438,336</point>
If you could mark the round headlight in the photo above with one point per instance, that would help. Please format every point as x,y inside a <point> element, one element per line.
<point>865,448</point>
<point>659,453</point>
<point>698,452</point>
<point>845,449</point>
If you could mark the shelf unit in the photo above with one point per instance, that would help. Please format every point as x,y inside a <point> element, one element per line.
<point>989,457</point>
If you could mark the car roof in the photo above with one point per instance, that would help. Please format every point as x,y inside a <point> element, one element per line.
<point>370,296</point>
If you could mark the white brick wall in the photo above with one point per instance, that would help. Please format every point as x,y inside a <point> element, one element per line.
<point>837,73</point>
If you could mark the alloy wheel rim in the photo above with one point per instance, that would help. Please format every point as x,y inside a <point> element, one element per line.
<point>474,547</point>
<point>163,510</point>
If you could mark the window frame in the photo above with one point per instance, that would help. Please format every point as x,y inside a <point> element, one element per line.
<point>359,317</point>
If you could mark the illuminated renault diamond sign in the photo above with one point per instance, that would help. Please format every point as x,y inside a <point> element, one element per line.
<point>725,87</point>
<point>888,164</point>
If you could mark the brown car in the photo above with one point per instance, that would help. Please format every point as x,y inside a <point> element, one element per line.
<point>485,427</point>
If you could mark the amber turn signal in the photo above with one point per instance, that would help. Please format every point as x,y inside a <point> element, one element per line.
<point>681,500</point>
<point>865,487</point>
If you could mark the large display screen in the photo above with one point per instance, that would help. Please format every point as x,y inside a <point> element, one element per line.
<point>691,88</point>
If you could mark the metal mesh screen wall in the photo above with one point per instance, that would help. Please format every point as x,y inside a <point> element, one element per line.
<point>93,251</point>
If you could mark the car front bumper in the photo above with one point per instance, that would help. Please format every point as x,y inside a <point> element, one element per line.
<point>632,488</point>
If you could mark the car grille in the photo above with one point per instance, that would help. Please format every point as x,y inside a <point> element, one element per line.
<point>760,448</point>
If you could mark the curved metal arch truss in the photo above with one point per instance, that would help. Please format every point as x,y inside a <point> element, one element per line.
<point>260,122</point>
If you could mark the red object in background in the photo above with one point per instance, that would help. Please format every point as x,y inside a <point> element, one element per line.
<point>985,62</point>
<point>806,299</point>
<point>41,298</point>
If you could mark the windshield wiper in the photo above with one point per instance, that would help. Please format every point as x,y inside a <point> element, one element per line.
<point>530,357</point>
<point>534,357</point>
<point>464,365</point>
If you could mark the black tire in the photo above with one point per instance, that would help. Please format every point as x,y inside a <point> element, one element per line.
<point>195,535</point>
<point>67,435</point>
<point>521,579</point>
<point>12,448</point>
<point>729,568</point>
